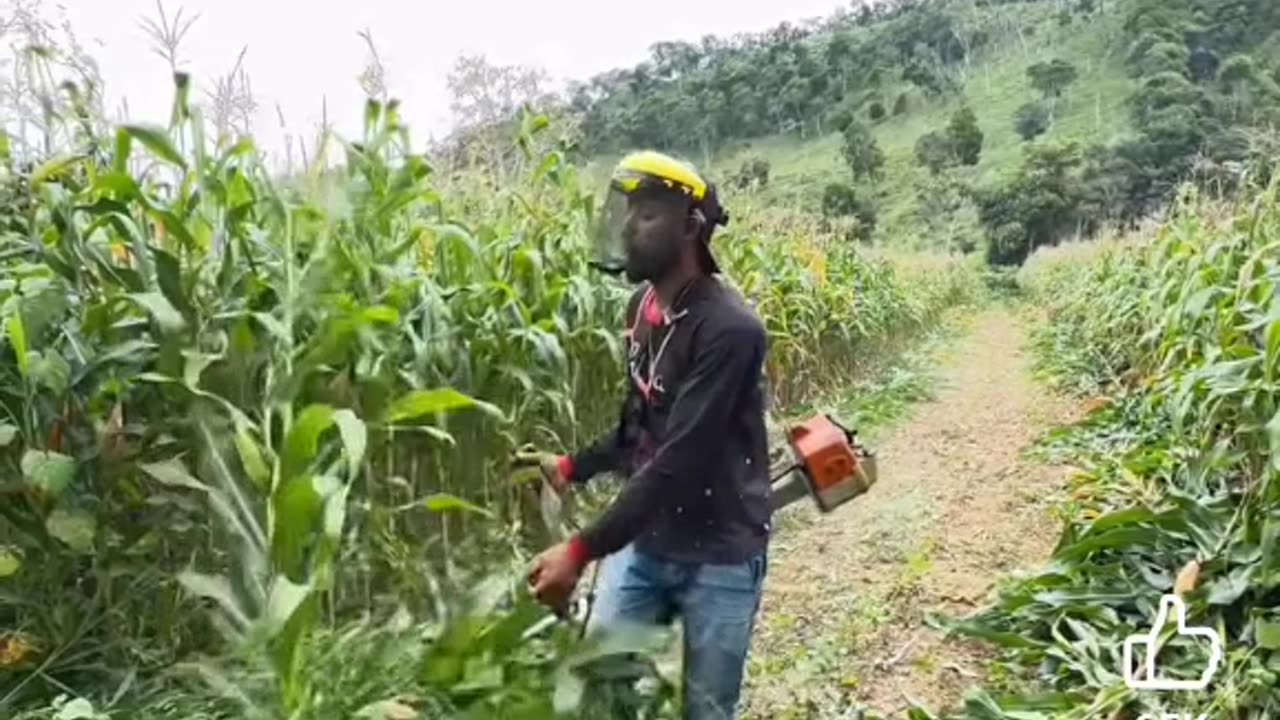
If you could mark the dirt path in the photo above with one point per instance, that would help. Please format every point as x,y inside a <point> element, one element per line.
<point>956,509</point>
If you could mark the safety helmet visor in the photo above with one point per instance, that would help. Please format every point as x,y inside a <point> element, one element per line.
<point>627,191</point>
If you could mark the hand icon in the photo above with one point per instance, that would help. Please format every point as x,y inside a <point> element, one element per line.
<point>1150,679</point>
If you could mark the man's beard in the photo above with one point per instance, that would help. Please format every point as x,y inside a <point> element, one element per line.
<point>653,265</point>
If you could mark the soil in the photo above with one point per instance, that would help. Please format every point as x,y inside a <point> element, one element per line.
<point>957,508</point>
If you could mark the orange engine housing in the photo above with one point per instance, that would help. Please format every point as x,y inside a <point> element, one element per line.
<point>830,459</point>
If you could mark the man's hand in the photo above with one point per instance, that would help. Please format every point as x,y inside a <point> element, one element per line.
<point>555,574</point>
<point>551,466</point>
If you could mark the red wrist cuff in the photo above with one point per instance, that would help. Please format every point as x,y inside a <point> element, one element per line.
<point>566,467</point>
<point>579,552</point>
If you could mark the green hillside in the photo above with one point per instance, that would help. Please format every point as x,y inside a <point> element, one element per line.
<point>1093,112</point>
<point>1122,101</point>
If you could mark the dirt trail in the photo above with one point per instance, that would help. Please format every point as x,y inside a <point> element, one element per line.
<point>956,509</point>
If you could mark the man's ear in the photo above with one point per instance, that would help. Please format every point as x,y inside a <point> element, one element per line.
<point>695,223</point>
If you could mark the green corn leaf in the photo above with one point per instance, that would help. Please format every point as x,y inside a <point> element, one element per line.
<point>51,371</point>
<point>354,438</point>
<point>50,472</point>
<point>255,466</point>
<point>443,502</point>
<point>157,141</point>
<point>298,507</point>
<point>76,528</point>
<point>121,186</point>
<point>18,339</point>
<point>10,562</point>
<point>124,146</point>
<point>169,278</point>
<point>335,512</point>
<point>194,365</point>
<point>1121,537</point>
<point>218,589</point>
<point>7,434</point>
<point>1267,633</point>
<point>166,317</point>
<point>78,709</point>
<point>1273,441</point>
<point>173,473</point>
<point>283,601</point>
<point>176,228</point>
<point>272,325</point>
<point>303,441</point>
<point>297,607</point>
<point>387,710</point>
<point>54,167</point>
<point>435,402</point>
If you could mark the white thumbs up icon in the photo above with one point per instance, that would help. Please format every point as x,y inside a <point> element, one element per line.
<point>1151,679</point>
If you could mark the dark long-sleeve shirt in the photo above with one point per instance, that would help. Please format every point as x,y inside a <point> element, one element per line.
<point>695,446</point>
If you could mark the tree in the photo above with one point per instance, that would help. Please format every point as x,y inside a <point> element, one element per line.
<point>933,150</point>
<point>1039,206</point>
<point>839,118</point>
<point>940,200</point>
<point>486,102</point>
<point>841,201</point>
<point>1052,78</point>
<point>901,105</point>
<point>960,144</point>
<point>966,137</point>
<point>754,173</point>
<point>862,153</point>
<point>1203,64</point>
<point>484,93</point>
<point>1032,120</point>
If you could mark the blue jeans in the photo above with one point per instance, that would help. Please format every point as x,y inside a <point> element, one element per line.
<point>717,604</point>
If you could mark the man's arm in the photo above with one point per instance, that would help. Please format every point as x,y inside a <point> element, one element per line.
<point>603,455</point>
<point>723,368</point>
<point>606,453</point>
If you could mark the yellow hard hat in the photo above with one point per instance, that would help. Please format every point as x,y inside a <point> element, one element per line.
<point>654,171</point>
<point>648,168</point>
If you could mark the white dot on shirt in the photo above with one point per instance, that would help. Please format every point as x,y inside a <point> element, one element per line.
<point>708,492</point>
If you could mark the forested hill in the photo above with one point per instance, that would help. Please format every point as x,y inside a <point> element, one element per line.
<point>973,124</point>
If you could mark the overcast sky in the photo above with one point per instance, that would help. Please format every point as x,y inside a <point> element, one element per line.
<point>300,51</point>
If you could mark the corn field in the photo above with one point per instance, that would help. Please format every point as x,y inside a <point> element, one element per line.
<point>255,430</point>
<point>1176,337</point>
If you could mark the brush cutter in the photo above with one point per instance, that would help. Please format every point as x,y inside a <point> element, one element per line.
<point>830,465</point>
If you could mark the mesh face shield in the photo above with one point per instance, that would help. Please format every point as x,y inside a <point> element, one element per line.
<point>614,223</point>
<point>610,246</point>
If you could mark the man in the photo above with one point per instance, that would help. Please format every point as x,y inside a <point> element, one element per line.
<point>690,527</point>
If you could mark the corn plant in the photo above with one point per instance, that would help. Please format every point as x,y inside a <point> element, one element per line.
<point>292,402</point>
<point>1178,492</point>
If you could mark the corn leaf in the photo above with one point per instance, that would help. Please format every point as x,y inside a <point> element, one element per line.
<point>443,502</point>
<point>10,562</point>
<point>76,528</point>
<point>157,141</point>
<point>50,472</point>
